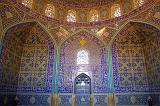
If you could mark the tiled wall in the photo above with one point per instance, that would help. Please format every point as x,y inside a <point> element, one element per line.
<point>27,68</point>
<point>96,69</point>
<point>135,54</point>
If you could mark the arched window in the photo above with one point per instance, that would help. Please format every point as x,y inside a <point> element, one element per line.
<point>27,3</point>
<point>82,57</point>
<point>138,3</point>
<point>71,16</point>
<point>115,10</point>
<point>50,10</point>
<point>93,15</point>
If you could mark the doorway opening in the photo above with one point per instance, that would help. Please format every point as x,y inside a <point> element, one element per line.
<point>82,84</point>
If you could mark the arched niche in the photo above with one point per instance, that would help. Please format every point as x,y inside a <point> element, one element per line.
<point>135,58</point>
<point>82,84</point>
<point>27,59</point>
<point>95,69</point>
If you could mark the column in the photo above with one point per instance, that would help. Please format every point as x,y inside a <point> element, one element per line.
<point>73,100</point>
<point>111,99</point>
<point>54,101</point>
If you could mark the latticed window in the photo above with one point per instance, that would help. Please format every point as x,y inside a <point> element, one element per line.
<point>50,11</point>
<point>93,16</point>
<point>138,3</point>
<point>115,10</point>
<point>71,16</point>
<point>82,57</point>
<point>27,3</point>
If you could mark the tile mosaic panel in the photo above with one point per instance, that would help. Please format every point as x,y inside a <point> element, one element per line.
<point>69,69</point>
<point>25,100</point>
<point>65,100</point>
<point>100,100</point>
<point>27,59</point>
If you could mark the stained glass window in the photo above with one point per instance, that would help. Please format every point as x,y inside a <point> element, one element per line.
<point>93,16</point>
<point>71,16</point>
<point>138,3</point>
<point>50,10</point>
<point>115,10</point>
<point>82,57</point>
<point>27,3</point>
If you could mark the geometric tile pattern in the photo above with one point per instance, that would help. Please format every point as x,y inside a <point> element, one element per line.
<point>82,100</point>
<point>151,47</point>
<point>100,100</point>
<point>26,100</point>
<point>132,99</point>
<point>65,100</point>
<point>135,58</point>
<point>128,64</point>
<point>152,58</point>
<point>96,68</point>
<point>27,59</point>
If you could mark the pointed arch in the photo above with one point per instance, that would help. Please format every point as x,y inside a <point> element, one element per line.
<point>25,35</point>
<point>127,24</point>
<point>68,60</point>
<point>86,31</point>
<point>28,21</point>
<point>135,36</point>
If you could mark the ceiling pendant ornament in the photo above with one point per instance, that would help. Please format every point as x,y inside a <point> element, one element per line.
<point>82,42</point>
